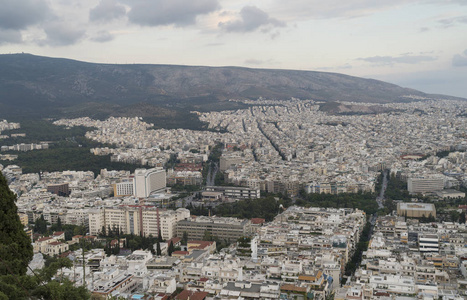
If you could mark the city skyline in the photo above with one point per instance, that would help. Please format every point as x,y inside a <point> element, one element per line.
<point>416,44</point>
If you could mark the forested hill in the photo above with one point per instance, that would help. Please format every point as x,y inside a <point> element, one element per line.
<point>41,85</point>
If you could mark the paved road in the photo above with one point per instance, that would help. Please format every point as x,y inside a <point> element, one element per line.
<point>212,175</point>
<point>380,198</point>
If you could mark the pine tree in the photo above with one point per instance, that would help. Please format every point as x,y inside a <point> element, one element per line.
<point>15,245</point>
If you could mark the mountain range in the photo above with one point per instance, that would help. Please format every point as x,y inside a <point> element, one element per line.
<point>35,85</point>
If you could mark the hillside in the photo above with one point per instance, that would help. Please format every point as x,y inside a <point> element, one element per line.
<point>34,85</point>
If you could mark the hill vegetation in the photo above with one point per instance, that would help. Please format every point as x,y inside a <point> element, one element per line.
<point>41,86</point>
<point>68,150</point>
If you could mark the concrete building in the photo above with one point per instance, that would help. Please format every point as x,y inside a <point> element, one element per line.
<point>61,189</point>
<point>125,188</point>
<point>249,290</point>
<point>137,219</point>
<point>23,218</point>
<point>226,162</point>
<point>424,185</point>
<point>235,192</point>
<point>416,210</point>
<point>428,243</point>
<point>223,228</point>
<point>148,181</point>
<point>445,194</point>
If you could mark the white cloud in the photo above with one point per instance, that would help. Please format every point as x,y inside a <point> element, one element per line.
<point>460,60</point>
<point>251,18</point>
<point>403,59</point>
<point>169,12</point>
<point>107,10</point>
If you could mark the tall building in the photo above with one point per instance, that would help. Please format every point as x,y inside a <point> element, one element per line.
<point>148,181</point>
<point>137,219</point>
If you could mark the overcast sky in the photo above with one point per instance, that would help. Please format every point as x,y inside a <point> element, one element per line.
<point>418,44</point>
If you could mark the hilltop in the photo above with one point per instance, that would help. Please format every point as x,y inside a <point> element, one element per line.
<point>34,85</point>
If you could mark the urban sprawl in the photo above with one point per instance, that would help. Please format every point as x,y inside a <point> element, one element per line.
<point>274,147</point>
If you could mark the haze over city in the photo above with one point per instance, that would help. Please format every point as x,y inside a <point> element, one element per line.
<point>416,44</point>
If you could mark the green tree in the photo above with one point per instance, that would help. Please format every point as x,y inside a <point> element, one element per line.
<point>59,224</point>
<point>79,230</point>
<point>184,240</point>
<point>170,249</point>
<point>15,245</point>
<point>15,254</point>
<point>40,225</point>
<point>159,237</point>
<point>158,249</point>
<point>462,218</point>
<point>207,236</point>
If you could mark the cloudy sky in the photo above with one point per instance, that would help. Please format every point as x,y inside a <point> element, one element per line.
<point>419,44</point>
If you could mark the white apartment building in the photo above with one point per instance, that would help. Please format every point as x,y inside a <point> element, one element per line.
<point>136,219</point>
<point>393,284</point>
<point>125,188</point>
<point>76,217</point>
<point>428,243</point>
<point>147,181</point>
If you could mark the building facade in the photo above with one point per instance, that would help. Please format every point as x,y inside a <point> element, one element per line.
<point>148,181</point>
<point>230,229</point>
<point>235,192</point>
<point>137,219</point>
<point>424,185</point>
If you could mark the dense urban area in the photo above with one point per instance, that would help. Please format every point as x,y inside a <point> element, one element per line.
<point>281,200</point>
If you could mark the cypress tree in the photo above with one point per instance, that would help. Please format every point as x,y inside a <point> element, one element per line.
<point>158,248</point>
<point>15,246</point>
<point>170,249</point>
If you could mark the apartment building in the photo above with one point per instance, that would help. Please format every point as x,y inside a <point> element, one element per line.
<point>137,219</point>
<point>124,188</point>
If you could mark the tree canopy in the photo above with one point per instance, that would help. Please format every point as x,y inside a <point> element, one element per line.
<point>15,254</point>
<point>15,245</point>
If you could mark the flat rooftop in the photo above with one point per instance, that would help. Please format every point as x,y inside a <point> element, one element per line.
<point>417,206</point>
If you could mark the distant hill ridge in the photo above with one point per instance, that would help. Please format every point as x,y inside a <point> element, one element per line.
<point>33,84</point>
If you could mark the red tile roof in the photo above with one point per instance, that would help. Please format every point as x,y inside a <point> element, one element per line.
<point>201,245</point>
<point>192,295</point>
<point>174,240</point>
<point>257,221</point>
<point>44,239</point>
